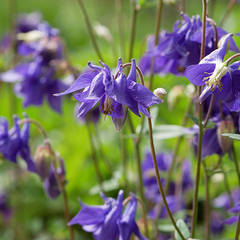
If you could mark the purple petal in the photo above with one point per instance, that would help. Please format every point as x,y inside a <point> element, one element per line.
<point>231,220</point>
<point>196,73</point>
<point>82,82</point>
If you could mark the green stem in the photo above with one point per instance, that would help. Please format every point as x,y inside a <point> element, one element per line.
<point>229,8</point>
<point>200,134</point>
<point>94,158</point>
<point>36,123</point>
<point>119,10</point>
<point>90,29</point>
<point>132,30</point>
<point>157,27</point>
<point>238,228</point>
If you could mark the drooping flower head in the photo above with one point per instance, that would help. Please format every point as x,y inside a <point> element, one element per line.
<point>113,94</point>
<point>107,221</point>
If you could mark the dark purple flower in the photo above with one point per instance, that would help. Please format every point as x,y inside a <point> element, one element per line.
<point>112,94</point>
<point>127,224</point>
<point>28,22</point>
<point>177,50</point>
<point>106,221</point>
<point>50,184</point>
<point>14,142</point>
<point>216,75</point>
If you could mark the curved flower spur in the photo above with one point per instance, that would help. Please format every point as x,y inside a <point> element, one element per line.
<point>219,77</point>
<point>116,94</point>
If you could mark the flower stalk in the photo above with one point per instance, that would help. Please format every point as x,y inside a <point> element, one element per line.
<point>90,29</point>
<point>199,153</point>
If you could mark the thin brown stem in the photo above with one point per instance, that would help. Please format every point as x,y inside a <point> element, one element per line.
<point>159,179</point>
<point>61,184</point>
<point>238,228</point>
<point>36,123</point>
<point>232,57</point>
<point>209,111</point>
<point>200,134</point>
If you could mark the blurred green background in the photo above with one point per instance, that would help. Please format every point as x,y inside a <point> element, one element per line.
<point>34,215</point>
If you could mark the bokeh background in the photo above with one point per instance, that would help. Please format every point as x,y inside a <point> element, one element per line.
<point>34,216</point>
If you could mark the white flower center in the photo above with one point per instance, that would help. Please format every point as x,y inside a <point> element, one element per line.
<point>214,80</point>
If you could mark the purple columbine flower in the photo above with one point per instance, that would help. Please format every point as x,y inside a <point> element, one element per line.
<point>216,75</point>
<point>14,142</point>
<point>35,81</point>
<point>113,94</point>
<point>216,224</point>
<point>107,221</point>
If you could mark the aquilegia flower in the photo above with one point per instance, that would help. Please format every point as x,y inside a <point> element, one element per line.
<point>107,221</point>
<point>177,50</point>
<point>14,142</point>
<point>216,75</point>
<point>113,94</point>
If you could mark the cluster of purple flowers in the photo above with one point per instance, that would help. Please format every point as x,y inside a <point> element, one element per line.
<point>174,195</point>
<point>36,78</point>
<point>14,143</point>
<point>107,221</point>
<point>177,50</point>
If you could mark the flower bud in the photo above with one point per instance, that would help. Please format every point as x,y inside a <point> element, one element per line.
<point>226,126</point>
<point>160,93</point>
<point>43,158</point>
<point>174,96</point>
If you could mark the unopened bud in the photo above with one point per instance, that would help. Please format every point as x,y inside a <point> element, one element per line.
<point>43,158</point>
<point>175,95</point>
<point>226,126</point>
<point>160,93</point>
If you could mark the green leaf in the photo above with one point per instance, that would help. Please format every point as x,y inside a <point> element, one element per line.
<point>183,228</point>
<point>193,118</point>
<point>232,135</point>
<point>169,131</point>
